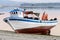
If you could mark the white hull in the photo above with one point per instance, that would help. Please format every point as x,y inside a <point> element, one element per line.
<point>24,25</point>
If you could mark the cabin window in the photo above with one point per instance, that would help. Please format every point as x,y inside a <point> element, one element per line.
<point>10,12</point>
<point>14,12</point>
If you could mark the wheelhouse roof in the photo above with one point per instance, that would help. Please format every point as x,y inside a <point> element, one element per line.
<point>15,10</point>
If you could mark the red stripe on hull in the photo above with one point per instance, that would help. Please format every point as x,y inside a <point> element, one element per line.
<point>34,30</point>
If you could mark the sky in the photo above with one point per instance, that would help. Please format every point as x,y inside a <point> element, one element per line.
<point>37,1</point>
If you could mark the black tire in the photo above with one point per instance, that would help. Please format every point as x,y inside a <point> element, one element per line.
<point>36,18</point>
<point>6,20</point>
<point>26,17</point>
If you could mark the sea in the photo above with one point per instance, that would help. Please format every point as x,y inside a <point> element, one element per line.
<point>53,12</point>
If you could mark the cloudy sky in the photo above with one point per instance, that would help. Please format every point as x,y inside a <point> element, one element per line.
<point>35,1</point>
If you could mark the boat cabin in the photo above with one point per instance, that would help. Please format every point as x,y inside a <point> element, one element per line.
<point>25,14</point>
<point>31,15</point>
<point>16,13</point>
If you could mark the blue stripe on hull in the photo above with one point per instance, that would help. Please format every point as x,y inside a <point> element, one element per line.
<point>37,21</point>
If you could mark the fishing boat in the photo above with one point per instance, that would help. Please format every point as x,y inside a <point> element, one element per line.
<point>23,21</point>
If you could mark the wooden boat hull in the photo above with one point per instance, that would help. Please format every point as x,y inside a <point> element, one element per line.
<point>37,30</point>
<point>30,27</point>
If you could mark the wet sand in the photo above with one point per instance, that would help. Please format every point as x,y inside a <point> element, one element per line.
<point>8,35</point>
